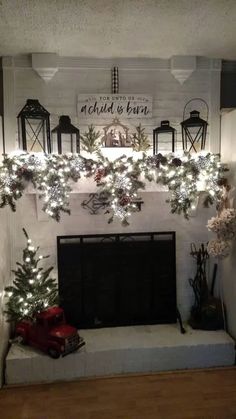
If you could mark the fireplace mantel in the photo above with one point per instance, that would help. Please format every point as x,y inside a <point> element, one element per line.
<point>88,185</point>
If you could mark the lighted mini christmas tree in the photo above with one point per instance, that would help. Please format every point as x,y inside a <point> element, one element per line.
<point>33,290</point>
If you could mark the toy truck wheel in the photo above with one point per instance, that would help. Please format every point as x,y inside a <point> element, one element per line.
<point>53,353</point>
<point>21,339</point>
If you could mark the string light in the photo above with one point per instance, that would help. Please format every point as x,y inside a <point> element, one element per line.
<point>24,298</point>
<point>184,175</point>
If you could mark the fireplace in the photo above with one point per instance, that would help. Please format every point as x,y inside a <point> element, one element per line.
<point>117,279</point>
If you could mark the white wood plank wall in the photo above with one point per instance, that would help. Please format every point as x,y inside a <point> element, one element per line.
<point>59,96</point>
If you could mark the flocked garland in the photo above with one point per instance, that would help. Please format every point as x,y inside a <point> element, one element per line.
<point>119,181</point>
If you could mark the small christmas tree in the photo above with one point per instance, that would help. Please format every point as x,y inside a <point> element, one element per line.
<point>32,290</point>
<point>140,140</point>
<point>90,140</point>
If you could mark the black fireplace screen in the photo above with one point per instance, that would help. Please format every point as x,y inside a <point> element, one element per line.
<point>117,279</point>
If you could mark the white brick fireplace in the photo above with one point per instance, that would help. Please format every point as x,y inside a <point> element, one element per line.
<point>59,97</point>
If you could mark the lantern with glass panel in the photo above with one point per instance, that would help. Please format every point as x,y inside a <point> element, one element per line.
<point>164,138</point>
<point>65,137</point>
<point>194,128</point>
<point>34,127</point>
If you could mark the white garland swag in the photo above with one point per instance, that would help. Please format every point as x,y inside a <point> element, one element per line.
<point>119,181</point>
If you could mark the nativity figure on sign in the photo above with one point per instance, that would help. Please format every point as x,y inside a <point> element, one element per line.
<point>116,135</point>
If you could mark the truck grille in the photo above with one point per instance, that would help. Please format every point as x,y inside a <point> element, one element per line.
<point>72,343</point>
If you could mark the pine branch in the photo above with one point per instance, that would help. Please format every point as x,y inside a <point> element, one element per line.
<point>140,140</point>
<point>33,289</point>
<point>90,140</point>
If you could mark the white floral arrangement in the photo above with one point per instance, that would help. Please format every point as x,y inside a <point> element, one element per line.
<point>219,248</point>
<point>224,225</point>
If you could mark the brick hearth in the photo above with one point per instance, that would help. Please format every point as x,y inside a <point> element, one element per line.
<point>134,349</point>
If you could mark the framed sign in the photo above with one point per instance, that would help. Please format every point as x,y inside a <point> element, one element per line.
<point>94,106</point>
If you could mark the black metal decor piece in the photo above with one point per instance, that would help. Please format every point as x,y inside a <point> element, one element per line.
<point>194,129</point>
<point>65,137</point>
<point>207,312</point>
<point>97,202</point>
<point>34,127</point>
<point>118,279</point>
<point>164,138</point>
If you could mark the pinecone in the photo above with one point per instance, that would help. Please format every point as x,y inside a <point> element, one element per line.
<point>99,174</point>
<point>25,173</point>
<point>222,182</point>
<point>162,159</point>
<point>124,200</point>
<point>151,161</point>
<point>176,162</point>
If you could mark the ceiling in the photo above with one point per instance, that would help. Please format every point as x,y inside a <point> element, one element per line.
<point>119,28</point>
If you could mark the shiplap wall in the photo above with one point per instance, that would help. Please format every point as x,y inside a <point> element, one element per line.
<point>228,265</point>
<point>153,77</point>
<point>59,97</point>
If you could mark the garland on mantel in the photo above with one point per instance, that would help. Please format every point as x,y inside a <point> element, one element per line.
<point>119,181</point>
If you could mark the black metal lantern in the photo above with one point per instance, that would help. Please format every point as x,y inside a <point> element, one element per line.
<point>65,137</point>
<point>194,130</point>
<point>34,127</point>
<point>164,138</point>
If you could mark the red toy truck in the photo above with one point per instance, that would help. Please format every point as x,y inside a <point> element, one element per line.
<point>50,333</point>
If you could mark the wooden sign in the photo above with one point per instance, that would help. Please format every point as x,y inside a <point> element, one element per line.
<point>95,106</point>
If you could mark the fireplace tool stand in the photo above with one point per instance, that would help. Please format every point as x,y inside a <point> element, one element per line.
<point>179,318</point>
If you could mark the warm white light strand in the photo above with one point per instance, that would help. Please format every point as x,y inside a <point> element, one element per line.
<point>186,176</point>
